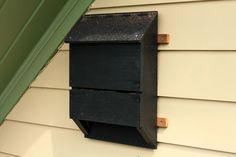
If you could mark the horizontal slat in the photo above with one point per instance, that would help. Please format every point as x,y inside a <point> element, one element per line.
<point>192,26</point>
<point>187,74</point>
<point>51,142</point>
<point>203,124</point>
<point>44,106</point>
<point>55,74</point>
<point>64,47</point>
<point>109,3</point>
<point>193,74</point>
<point>191,122</point>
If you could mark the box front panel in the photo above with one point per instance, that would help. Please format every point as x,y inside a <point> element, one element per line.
<point>108,107</point>
<point>105,66</point>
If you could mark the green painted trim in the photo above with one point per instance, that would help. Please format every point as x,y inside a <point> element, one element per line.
<point>2,2</point>
<point>17,38</point>
<point>42,52</point>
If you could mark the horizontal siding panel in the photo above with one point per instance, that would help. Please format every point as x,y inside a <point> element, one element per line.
<point>109,3</point>
<point>194,74</point>
<point>203,124</point>
<point>56,142</point>
<point>44,106</point>
<point>192,26</point>
<point>186,74</point>
<point>64,47</point>
<point>56,73</point>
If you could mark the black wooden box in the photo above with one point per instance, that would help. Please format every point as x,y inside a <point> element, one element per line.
<point>113,75</point>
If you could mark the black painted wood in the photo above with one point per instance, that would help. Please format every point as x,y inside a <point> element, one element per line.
<point>107,28</point>
<point>109,107</point>
<point>117,133</point>
<point>113,75</point>
<point>105,66</point>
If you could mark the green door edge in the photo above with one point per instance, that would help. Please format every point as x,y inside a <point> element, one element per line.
<point>42,52</point>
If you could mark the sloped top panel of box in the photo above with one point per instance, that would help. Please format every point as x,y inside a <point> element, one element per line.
<point>111,28</point>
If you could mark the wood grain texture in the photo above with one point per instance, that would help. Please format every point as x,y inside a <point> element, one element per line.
<point>188,23</point>
<point>51,142</point>
<point>162,122</point>
<point>163,38</point>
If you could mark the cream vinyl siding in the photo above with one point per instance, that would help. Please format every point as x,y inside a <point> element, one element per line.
<point>196,90</point>
<point>194,123</point>
<point>56,75</point>
<point>196,74</point>
<point>207,25</point>
<point>7,155</point>
<point>39,140</point>
<point>125,3</point>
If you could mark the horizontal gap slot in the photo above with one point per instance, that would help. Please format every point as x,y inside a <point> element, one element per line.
<point>118,91</point>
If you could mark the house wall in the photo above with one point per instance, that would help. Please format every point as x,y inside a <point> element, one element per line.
<point>196,90</point>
